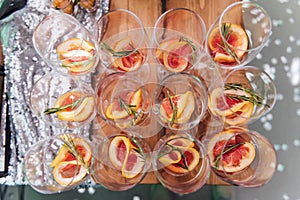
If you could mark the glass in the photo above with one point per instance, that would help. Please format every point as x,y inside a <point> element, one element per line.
<point>180,101</point>
<point>65,44</point>
<point>238,34</point>
<point>62,101</point>
<point>245,95</point>
<point>178,38</point>
<point>65,6</point>
<point>121,161</point>
<point>122,39</point>
<point>122,100</point>
<point>242,157</point>
<point>58,163</point>
<point>180,163</point>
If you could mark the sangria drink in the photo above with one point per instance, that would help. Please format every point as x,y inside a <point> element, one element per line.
<point>121,161</point>
<point>242,157</point>
<point>181,163</point>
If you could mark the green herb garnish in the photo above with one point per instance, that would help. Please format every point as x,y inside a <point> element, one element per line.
<point>226,33</point>
<point>174,108</point>
<point>71,105</point>
<point>115,53</point>
<point>173,148</point>
<point>231,147</point>
<point>69,144</point>
<point>192,45</point>
<point>253,98</point>
<point>129,108</point>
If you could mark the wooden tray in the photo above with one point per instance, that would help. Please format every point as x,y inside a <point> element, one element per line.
<point>149,11</point>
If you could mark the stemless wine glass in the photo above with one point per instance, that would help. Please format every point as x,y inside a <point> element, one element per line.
<point>65,6</point>
<point>122,100</point>
<point>122,39</point>
<point>121,161</point>
<point>181,163</point>
<point>180,101</point>
<point>178,38</point>
<point>238,34</point>
<point>245,95</point>
<point>58,163</point>
<point>65,44</point>
<point>62,101</point>
<point>242,157</point>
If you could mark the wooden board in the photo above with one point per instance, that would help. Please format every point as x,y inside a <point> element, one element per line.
<point>148,12</point>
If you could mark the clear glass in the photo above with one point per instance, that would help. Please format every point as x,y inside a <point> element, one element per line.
<point>180,101</point>
<point>121,161</point>
<point>62,101</point>
<point>181,163</point>
<point>242,157</point>
<point>245,95</point>
<point>122,39</point>
<point>51,167</point>
<point>122,100</point>
<point>178,38</point>
<point>238,34</point>
<point>66,45</point>
<point>65,6</point>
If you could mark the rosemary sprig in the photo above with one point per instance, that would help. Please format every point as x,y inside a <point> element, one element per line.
<point>231,147</point>
<point>129,108</point>
<point>174,108</point>
<point>69,144</point>
<point>226,33</point>
<point>116,53</point>
<point>139,149</point>
<point>71,105</point>
<point>192,45</point>
<point>253,98</point>
<point>173,148</point>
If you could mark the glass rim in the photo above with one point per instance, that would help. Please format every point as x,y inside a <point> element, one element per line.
<point>243,3</point>
<point>200,20</point>
<point>138,20</point>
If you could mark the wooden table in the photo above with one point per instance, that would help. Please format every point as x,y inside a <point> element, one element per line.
<point>150,10</point>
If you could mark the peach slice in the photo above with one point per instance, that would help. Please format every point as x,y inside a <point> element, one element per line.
<point>185,104</point>
<point>68,173</point>
<point>80,113</point>
<point>133,165</point>
<point>129,62</point>
<point>192,159</point>
<point>113,111</point>
<point>176,58</point>
<point>64,154</point>
<point>118,151</point>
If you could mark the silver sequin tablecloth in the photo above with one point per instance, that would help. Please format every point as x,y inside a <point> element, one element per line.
<point>22,68</point>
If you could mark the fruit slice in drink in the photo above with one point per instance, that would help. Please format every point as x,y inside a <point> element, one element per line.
<point>179,155</point>
<point>230,153</point>
<point>77,55</point>
<point>71,164</point>
<point>229,45</point>
<point>236,110</point>
<point>125,157</point>
<point>124,55</point>
<point>64,154</point>
<point>126,105</point>
<point>73,106</point>
<point>68,173</point>
<point>175,55</point>
<point>178,108</point>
